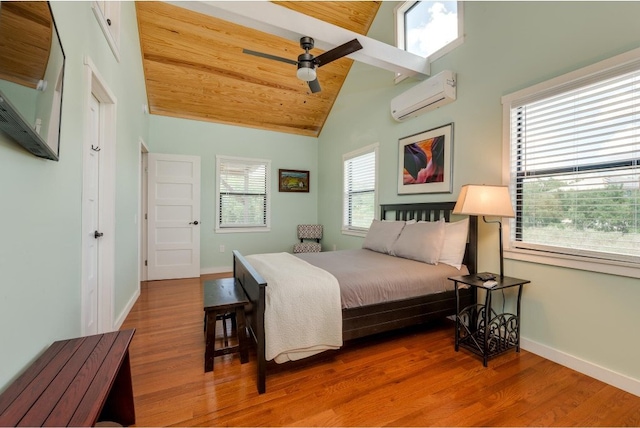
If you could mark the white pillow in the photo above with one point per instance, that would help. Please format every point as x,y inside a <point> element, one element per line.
<point>382,235</point>
<point>454,243</point>
<point>420,241</point>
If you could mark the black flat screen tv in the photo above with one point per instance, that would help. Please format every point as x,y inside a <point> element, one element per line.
<point>31,77</point>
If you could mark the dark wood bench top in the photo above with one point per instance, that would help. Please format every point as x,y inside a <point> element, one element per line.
<point>72,383</point>
<point>223,296</point>
<point>224,293</point>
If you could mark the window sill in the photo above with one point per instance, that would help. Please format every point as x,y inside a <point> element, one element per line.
<point>575,262</point>
<point>430,59</point>
<point>242,229</point>
<point>360,233</point>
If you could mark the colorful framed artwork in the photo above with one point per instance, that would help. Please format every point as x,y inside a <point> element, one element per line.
<point>425,162</point>
<point>293,180</point>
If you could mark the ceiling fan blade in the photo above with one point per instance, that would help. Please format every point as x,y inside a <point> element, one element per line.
<point>273,57</point>
<point>314,85</point>
<point>338,52</point>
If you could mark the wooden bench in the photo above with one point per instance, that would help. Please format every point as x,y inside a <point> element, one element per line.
<point>76,382</point>
<point>221,297</point>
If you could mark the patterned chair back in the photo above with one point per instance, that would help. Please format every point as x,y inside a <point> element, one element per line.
<point>308,231</point>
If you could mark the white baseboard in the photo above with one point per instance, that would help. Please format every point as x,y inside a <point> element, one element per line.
<point>123,315</point>
<point>595,371</point>
<point>126,310</point>
<point>223,269</point>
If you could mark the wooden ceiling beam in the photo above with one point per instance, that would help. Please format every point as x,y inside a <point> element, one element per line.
<point>289,24</point>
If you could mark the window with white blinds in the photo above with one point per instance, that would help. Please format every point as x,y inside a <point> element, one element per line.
<point>242,194</point>
<point>575,165</point>
<point>360,171</point>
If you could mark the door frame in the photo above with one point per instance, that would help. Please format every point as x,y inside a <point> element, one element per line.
<point>95,84</point>
<point>143,164</point>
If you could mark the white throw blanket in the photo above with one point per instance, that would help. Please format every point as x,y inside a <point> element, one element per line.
<point>303,315</point>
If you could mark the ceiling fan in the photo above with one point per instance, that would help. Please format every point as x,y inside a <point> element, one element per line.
<point>307,63</point>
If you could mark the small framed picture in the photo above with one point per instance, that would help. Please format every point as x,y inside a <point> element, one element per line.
<point>293,180</point>
<point>425,163</point>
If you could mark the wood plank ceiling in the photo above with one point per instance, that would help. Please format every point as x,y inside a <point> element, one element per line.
<point>25,42</point>
<point>195,69</point>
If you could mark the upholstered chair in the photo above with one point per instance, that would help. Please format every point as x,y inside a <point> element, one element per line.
<point>308,232</point>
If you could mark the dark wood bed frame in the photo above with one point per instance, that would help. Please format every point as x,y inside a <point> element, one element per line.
<point>372,319</point>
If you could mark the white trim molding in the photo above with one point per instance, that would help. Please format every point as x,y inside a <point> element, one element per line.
<point>96,85</point>
<point>603,374</point>
<point>216,270</point>
<point>107,14</point>
<point>125,312</point>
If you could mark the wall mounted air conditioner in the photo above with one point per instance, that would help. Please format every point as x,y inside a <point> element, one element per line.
<point>434,92</point>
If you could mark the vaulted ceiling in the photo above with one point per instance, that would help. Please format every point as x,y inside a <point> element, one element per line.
<point>25,41</point>
<point>195,67</point>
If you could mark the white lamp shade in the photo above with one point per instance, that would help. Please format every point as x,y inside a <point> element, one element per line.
<point>307,74</point>
<point>479,199</point>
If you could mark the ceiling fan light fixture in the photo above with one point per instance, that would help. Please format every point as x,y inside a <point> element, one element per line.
<point>307,63</point>
<point>306,72</point>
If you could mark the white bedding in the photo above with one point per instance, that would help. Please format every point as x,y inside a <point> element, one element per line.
<point>303,313</point>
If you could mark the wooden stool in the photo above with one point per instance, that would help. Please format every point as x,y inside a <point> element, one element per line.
<point>221,298</point>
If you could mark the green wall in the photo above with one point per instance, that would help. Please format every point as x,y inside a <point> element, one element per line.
<point>40,218</point>
<point>286,151</point>
<point>508,46</point>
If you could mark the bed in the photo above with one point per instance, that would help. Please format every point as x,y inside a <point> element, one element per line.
<point>367,319</point>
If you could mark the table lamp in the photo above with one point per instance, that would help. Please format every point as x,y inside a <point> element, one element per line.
<point>484,200</point>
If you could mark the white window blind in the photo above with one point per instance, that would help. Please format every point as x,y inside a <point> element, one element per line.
<point>243,200</point>
<point>359,189</point>
<point>575,167</point>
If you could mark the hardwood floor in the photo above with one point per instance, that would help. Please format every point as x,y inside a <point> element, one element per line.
<point>410,378</point>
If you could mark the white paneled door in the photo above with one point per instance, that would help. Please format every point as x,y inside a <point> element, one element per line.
<point>91,222</point>
<point>173,216</point>
<point>98,204</point>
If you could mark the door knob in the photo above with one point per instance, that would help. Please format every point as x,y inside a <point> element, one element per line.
<point>194,222</point>
<point>97,234</point>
